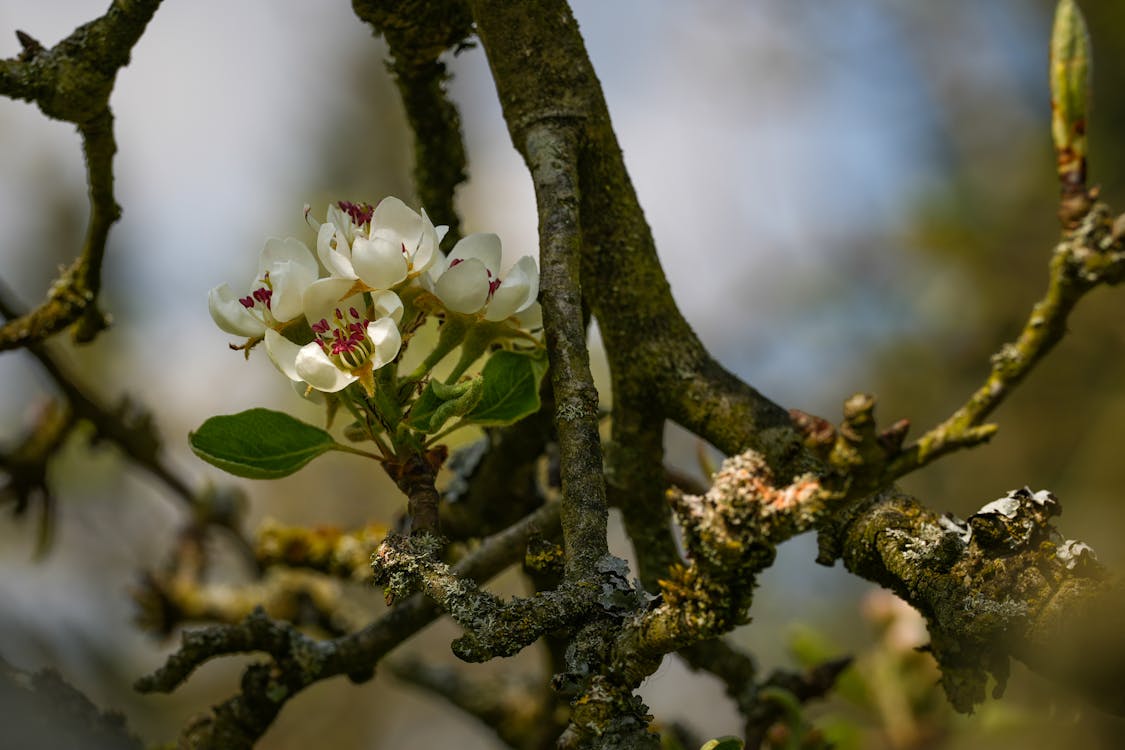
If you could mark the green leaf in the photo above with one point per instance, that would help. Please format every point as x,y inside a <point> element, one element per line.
<point>511,388</point>
<point>259,443</point>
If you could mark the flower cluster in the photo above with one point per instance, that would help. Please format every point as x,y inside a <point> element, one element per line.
<point>332,319</point>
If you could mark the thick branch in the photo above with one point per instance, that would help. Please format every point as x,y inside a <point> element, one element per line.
<point>656,359</point>
<point>417,33</point>
<point>551,153</point>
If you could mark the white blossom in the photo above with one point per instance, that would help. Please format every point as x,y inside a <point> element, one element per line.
<point>351,339</point>
<point>381,247</point>
<point>469,280</point>
<point>285,269</point>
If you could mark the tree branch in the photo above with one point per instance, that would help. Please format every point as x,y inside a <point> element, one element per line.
<point>517,710</point>
<point>1003,584</point>
<point>72,82</point>
<point>1089,255</point>
<point>731,534</point>
<point>493,627</point>
<point>551,153</point>
<point>417,34</point>
<point>299,661</point>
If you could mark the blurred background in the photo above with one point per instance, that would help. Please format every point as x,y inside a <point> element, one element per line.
<point>846,196</point>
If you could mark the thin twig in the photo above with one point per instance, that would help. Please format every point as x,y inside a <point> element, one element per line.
<point>72,81</point>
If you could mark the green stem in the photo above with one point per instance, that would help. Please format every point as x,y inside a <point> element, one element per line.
<point>344,448</point>
<point>365,420</point>
<point>451,335</point>
<point>385,399</point>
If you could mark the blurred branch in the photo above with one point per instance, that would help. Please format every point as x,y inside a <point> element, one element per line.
<point>72,81</point>
<point>799,687</point>
<point>417,34</point>
<point>344,554</point>
<point>42,710</point>
<point>299,661</point>
<point>128,427</point>
<point>517,710</point>
<point>26,467</point>
<point>308,600</point>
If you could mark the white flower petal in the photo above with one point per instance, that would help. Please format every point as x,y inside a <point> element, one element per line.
<point>531,318</point>
<point>322,298</point>
<point>463,288</point>
<point>483,246</point>
<point>423,256</point>
<point>434,272</point>
<point>387,305</point>
<point>230,315</point>
<point>316,369</point>
<point>516,292</point>
<point>396,221</point>
<point>283,352</point>
<point>289,281</point>
<point>384,334</point>
<point>378,262</point>
<point>333,250</point>
<point>342,221</point>
<point>289,249</point>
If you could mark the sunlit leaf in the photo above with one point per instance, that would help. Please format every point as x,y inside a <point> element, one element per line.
<point>259,443</point>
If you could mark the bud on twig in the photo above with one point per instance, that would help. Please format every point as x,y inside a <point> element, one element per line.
<point>1070,98</point>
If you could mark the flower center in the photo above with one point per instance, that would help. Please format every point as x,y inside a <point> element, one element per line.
<point>260,296</point>
<point>344,338</point>
<point>360,213</point>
